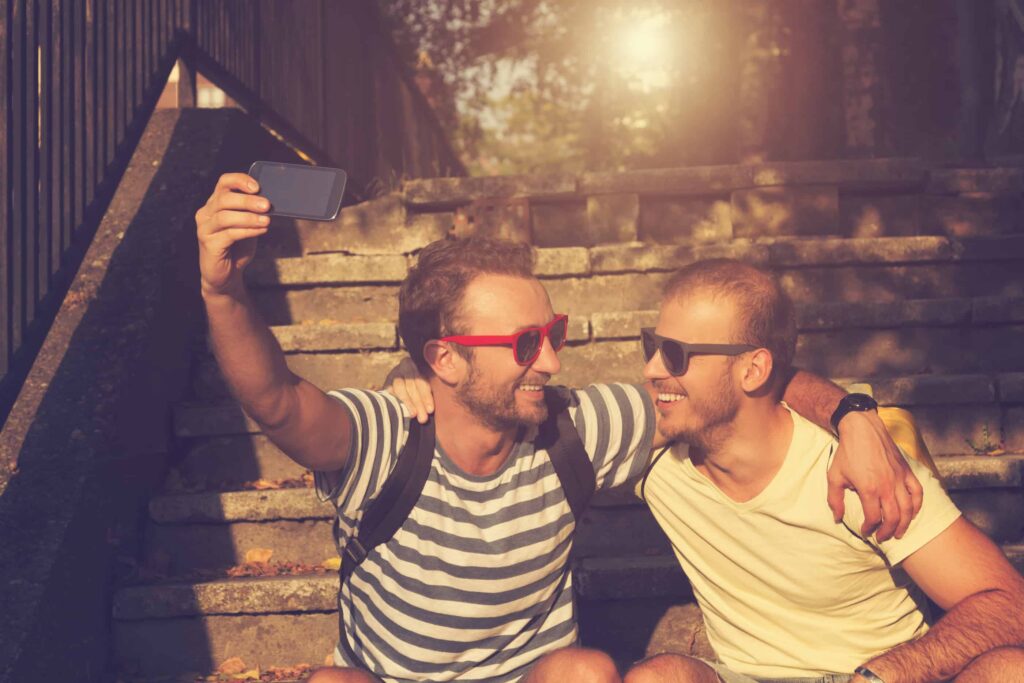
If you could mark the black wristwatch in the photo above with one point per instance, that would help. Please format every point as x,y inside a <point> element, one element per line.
<point>852,403</point>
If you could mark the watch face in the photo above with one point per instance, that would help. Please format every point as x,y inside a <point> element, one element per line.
<point>861,402</point>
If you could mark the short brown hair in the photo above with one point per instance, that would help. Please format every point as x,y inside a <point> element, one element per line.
<point>766,317</point>
<point>430,298</point>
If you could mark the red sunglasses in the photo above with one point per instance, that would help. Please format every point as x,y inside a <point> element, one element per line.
<point>526,344</point>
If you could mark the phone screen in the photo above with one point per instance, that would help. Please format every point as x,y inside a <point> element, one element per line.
<point>296,190</point>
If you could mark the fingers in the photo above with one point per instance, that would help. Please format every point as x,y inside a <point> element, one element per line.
<point>406,392</point>
<point>890,518</point>
<point>837,498</point>
<point>872,513</point>
<point>237,181</point>
<point>915,490</point>
<point>906,507</point>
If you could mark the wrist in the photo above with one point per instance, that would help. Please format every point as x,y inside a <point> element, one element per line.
<point>852,404</point>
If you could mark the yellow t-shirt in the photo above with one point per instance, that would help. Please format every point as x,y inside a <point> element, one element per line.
<point>785,591</point>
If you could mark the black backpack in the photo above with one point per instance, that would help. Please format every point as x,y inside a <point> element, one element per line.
<point>404,484</point>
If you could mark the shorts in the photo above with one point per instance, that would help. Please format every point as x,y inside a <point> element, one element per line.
<point>727,675</point>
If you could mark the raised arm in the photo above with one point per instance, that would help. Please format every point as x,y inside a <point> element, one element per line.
<point>966,574</point>
<point>310,427</point>
<point>866,461</point>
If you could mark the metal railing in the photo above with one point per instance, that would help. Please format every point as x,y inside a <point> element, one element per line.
<point>79,79</point>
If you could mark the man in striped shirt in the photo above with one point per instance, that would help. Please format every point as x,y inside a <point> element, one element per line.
<point>475,585</point>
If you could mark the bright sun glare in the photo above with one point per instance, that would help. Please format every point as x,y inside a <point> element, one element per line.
<point>643,49</point>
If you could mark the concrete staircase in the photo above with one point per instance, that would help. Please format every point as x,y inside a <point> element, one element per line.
<point>906,277</point>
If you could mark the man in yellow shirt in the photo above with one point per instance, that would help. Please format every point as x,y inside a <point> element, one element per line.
<point>787,593</point>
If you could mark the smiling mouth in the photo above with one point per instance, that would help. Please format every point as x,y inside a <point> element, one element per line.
<point>670,398</point>
<point>531,387</point>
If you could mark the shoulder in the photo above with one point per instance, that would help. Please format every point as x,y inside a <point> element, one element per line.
<point>371,408</point>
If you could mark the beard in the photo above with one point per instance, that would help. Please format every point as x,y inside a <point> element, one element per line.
<point>495,406</point>
<point>708,420</point>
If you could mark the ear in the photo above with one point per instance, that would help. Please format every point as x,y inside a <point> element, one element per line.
<point>757,371</point>
<point>448,366</point>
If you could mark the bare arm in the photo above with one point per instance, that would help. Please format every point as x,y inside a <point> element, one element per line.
<point>966,573</point>
<point>309,426</point>
<point>866,461</point>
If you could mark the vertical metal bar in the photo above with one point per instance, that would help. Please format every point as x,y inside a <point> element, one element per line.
<point>31,142</point>
<point>138,69</point>
<point>46,108</point>
<point>57,133</point>
<point>6,222</point>
<point>117,63</point>
<point>15,237</point>
<point>78,110</point>
<point>91,137</point>
<point>68,126</point>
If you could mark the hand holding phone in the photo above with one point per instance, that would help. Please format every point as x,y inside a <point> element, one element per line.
<point>298,191</point>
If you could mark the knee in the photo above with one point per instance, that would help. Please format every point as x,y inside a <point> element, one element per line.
<point>576,664</point>
<point>994,665</point>
<point>333,674</point>
<point>668,667</point>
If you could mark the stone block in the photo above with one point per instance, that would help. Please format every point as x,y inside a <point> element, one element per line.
<point>355,304</point>
<point>997,512</point>
<point>311,337</point>
<point>681,631</point>
<point>238,506</point>
<point>622,578</point>
<point>880,215</point>
<point>775,211</point>
<point>500,218</point>
<point>998,309</point>
<point>867,250</point>
<point>196,419</point>
<point>933,390</point>
<point>894,282</point>
<point>959,216</point>
<point>880,353</point>
<point>990,181</point>
<point>619,532</point>
<point>337,370</point>
<point>963,472</point>
<point>581,297</point>
<point>562,224</point>
<point>697,180</point>
<point>562,262</point>
<point>1013,429</point>
<point>949,430</point>
<point>646,258</point>
<point>998,348</point>
<point>994,248</point>
<point>197,646</point>
<point>685,220</point>
<point>608,361</point>
<point>183,549</point>
<point>857,174</point>
<point>230,460</point>
<point>454,191</point>
<point>613,217</point>
<point>1011,387</point>
<point>328,269</point>
<point>839,315</point>
<point>622,325</point>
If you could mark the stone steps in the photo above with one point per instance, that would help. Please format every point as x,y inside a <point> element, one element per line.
<point>175,628</point>
<point>888,197</point>
<point>212,530</point>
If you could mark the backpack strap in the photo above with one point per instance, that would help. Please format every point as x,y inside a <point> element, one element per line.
<point>388,511</point>
<point>396,499</point>
<point>559,437</point>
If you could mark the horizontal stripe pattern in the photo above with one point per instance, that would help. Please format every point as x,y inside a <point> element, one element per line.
<point>475,585</point>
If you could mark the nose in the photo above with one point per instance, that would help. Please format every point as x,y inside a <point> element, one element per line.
<point>655,368</point>
<point>547,361</point>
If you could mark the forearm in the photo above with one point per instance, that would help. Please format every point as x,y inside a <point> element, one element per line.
<point>813,397</point>
<point>250,359</point>
<point>978,624</point>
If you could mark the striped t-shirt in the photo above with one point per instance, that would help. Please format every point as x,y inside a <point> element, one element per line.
<point>475,585</point>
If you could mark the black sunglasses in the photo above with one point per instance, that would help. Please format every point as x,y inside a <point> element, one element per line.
<point>676,354</point>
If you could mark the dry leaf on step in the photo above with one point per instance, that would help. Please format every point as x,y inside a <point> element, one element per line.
<point>232,666</point>
<point>258,555</point>
<point>334,564</point>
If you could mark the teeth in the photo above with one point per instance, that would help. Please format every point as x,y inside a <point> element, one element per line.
<point>669,398</point>
<point>530,387</point>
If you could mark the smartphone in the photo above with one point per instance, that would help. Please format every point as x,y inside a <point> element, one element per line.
<point>300,191</point>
